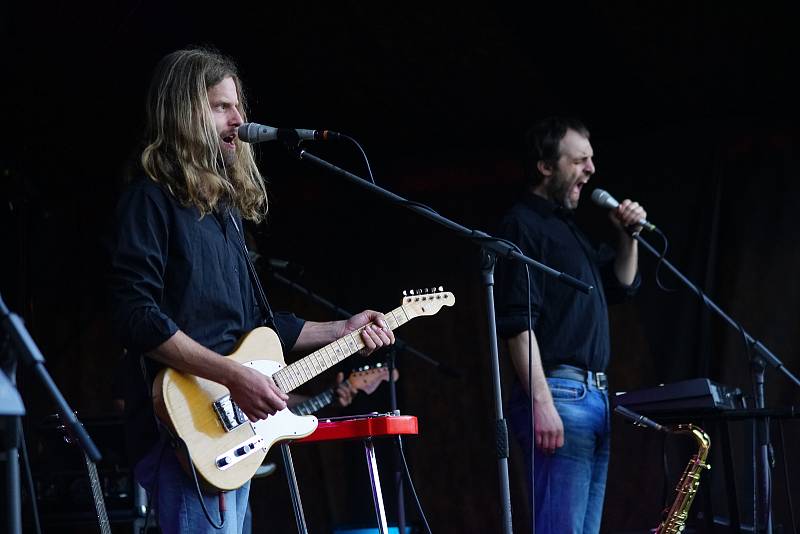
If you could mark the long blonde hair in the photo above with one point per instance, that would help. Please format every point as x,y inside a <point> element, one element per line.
<point>182,149</point>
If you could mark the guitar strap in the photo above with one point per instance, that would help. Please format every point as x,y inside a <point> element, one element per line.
<point>266,310</point>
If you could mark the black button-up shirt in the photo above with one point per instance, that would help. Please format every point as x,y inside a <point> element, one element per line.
<point>570,327</point>
<point>172,269</point>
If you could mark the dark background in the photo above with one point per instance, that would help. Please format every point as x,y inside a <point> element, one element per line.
<point>692,111</point>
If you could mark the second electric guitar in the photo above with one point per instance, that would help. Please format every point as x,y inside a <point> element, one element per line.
<point>224,446</point>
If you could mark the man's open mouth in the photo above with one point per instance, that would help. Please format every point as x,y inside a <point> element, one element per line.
<point>229,140</point>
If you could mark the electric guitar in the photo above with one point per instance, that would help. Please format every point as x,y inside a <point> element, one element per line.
<point>94,481</point>
<point>366,380</point>
<point>224,446</point>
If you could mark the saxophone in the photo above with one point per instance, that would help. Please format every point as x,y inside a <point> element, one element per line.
<point>676,515</point>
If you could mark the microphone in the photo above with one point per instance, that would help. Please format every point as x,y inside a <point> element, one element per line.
<point>603,198</point>
<point>251,132</point>
<point>639,419</point>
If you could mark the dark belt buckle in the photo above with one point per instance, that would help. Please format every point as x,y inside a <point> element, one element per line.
<point>600,380</point>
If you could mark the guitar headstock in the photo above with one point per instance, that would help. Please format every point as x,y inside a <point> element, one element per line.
<point>418,302</point>
<point>369,379</point>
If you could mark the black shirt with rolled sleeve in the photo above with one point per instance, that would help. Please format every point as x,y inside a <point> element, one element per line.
<point>571,327</point>
<point>170,270</point>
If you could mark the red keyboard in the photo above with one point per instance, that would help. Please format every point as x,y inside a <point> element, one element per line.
<point>363,427</point>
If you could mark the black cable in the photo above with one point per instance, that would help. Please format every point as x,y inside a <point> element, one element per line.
<point>363,154</point>
<point>411,485</point>
<point>661,257</point>
<point>200,493</point>
<point>786,477</point>
<point>28,476</point>
<point>532,495</point>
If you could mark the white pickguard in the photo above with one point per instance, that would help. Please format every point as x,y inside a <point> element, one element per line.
<point>284,424</point>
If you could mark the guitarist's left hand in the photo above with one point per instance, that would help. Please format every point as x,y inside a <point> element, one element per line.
<point>344,391</point>
<point>376,333</point>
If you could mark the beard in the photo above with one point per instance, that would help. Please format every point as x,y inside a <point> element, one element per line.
<point>229,156</point>
<point>229,160</point>
<point>558,190</point>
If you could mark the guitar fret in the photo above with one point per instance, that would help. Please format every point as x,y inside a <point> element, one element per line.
<point>400,316</point>
<point>352,345</point>
<point>322,365</point>
<point>391,317</point>
<point>278,378</point>
<point>314,364</point>
<point>306,370</point>
<point>337,350</point>
<point>329,355</point>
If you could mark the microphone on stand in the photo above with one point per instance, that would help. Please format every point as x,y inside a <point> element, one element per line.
<point>604,199</point>
<point>639,419</point>
<point>251,132</point>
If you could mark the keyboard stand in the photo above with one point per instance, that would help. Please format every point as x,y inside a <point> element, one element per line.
<point>365,428</point>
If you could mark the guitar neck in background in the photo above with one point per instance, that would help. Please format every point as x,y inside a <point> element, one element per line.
<point>315,403</point>
<point>97,494</point>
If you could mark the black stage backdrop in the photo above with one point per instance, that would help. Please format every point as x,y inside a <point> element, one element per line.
<point>692,113</point>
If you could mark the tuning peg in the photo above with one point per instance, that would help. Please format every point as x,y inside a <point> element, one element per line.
<point>405,293</point>
<point>441,288</point>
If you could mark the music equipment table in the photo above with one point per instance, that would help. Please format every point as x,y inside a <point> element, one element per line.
<point>365,428</point>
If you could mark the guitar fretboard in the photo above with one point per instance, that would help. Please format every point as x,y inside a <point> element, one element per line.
<point>294,375</point>
<point>313,404</point>
<point>97,494</point>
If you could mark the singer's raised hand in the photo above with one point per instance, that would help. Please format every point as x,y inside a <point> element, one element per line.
<point>628,215</point>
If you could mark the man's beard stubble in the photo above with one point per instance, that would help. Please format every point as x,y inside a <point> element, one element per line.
<point>558,190</point>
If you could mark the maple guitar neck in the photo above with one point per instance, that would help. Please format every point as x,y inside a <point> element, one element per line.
<point>298,373</point>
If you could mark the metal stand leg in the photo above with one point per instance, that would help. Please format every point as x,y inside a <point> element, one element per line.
<point>372,466</point>
<point>294,491</point>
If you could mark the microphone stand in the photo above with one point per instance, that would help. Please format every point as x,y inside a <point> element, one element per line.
<point>762,449</point>
<point>399,346</point>
<point>491,247</point>
<point>23,345</point>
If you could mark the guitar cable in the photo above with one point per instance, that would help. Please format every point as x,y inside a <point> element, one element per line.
<point>411,484</point>
<point>200,494</point>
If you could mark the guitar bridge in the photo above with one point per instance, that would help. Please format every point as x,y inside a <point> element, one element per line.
<point>229,413</point>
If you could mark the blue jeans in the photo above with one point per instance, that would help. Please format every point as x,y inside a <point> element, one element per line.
<point>178,506</point>
<point>569,484</point>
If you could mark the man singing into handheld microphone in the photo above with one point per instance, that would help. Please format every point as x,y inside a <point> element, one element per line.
<point>569,335</point>
<point>182,290</point>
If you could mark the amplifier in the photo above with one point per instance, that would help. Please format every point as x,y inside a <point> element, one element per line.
<point>61,479</point>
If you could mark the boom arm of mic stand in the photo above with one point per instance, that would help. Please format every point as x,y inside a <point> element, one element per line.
<point>499,247</point>
<point>763,352</point>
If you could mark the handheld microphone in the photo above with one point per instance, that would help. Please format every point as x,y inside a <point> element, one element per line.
<point>251,132</point>
<point>604,199</point>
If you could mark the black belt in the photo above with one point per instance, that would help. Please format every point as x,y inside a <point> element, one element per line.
<point>590,378</point>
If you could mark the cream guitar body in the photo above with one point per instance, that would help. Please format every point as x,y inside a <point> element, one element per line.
<point>225,447</point>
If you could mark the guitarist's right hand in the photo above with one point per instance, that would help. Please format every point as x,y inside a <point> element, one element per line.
<point>256,394</point>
